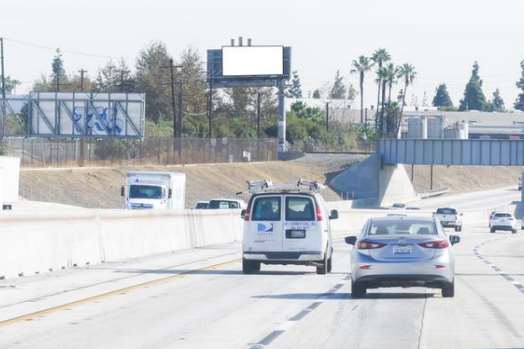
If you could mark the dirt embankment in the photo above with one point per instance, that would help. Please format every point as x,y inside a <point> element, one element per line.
<point>462,179</point>
<point>100,187</point>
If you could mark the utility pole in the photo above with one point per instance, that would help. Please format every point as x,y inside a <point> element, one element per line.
<point>173,101</point>
<point>180,109</point>
<point>2,126</point>
<point>258,114</point>
<point>84,128</point>
<point>210,108</point>
<point>177,124</point>
<point>327,116</point>
<point>82,72</point>
<point>122,84</point>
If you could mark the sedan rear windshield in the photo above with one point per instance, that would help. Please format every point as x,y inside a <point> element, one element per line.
<point>446,211</point>
<point>415,228</point>
<point>299,208</point>
<point>502,215</point>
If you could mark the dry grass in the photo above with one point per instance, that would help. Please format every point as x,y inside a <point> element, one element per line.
<point>100,187</point>
<point>461,179</point>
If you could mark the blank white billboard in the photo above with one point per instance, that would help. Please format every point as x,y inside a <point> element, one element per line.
<point>252,60</point>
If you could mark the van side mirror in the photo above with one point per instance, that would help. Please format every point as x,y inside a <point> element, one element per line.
<point>333,214</point>
<point>122,191</point>
<point>351,240</point>
<point>454,239</point>
<point>169,193</point>
<point>243,213</point>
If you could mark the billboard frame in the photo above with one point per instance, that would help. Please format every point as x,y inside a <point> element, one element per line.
<point>216,79</point>
<point>65,104</point>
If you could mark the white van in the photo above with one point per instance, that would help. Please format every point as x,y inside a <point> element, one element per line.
<point>287,224</point>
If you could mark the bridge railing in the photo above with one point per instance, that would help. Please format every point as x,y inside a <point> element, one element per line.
<point>463,152</point>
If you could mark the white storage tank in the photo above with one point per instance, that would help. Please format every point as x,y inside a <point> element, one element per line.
<point>435,128</point>
<point>414,128</point>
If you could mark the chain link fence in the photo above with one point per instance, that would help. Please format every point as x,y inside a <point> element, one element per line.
<point>39,152</point>
<point>360,146</point>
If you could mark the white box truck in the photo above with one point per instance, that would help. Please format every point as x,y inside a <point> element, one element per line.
<point>154,190</point>
<point>9,181</point>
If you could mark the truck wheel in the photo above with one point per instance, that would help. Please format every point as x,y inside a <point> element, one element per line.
<point>448,291</point>
<point>357,290</point>
<point>323,268</point>
<point>492,230</point>
<point>250,267</point>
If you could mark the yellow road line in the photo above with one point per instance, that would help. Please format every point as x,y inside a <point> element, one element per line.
<point>67,306</point>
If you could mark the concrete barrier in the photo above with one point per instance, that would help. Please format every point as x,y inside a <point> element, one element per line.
<point>42,242</point>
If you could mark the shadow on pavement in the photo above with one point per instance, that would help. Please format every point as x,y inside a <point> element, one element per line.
<point>339,296</point>
<point>206,272</point>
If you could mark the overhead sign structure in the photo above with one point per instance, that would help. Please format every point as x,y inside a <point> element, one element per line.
<point>252,66</point>
<point>77,115</point>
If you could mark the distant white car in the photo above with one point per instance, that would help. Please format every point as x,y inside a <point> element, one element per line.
<point>503,221</point>
<point>227,203</point>
<point>202,205</point>
<point>449,218</point>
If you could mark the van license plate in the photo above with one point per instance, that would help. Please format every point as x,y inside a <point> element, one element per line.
<point>402,250</point>
<point>295,234</point>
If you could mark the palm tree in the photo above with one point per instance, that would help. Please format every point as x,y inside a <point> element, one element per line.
<point>391,78</point>
<point>361,66</point>
<point>379,57</point>
<point>382,75</point>
<point>406,72</point>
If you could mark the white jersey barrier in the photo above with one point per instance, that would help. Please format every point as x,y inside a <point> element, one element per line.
<point>39,242</point>
<point>43,242</point>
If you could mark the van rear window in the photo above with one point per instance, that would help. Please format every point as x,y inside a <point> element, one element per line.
<point>266,209</point>
<point>299,208</point>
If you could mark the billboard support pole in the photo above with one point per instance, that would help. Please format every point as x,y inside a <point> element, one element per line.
<point>281,118</point>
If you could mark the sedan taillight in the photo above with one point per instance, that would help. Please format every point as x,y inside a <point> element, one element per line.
<point>369,245</point>
<point>435,244</point>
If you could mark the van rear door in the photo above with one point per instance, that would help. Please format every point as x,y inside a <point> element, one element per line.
<point>265,225</point>
<point>301,231</point>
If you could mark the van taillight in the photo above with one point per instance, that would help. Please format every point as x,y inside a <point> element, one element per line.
<point>319,214</point>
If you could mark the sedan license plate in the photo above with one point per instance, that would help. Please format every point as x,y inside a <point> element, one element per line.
<point>295,234</point>
<point>402,250</point>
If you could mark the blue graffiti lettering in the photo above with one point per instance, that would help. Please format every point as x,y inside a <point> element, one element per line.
<point>98,120</point>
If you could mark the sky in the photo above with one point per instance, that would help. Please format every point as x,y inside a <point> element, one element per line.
<point>441,38</point>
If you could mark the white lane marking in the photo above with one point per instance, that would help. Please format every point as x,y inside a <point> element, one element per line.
<point>286,325</point>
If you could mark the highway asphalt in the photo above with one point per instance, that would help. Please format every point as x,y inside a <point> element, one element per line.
<point>200,299</point>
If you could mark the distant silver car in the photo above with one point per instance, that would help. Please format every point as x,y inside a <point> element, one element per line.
<point>402,251</point>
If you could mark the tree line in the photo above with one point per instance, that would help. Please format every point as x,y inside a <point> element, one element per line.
<point>234,111</point>
<point>474,97</point>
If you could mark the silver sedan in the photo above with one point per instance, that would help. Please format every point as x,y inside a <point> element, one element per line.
<point>401,251</point>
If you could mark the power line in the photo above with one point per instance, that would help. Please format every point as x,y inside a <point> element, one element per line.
<point>49,48</point>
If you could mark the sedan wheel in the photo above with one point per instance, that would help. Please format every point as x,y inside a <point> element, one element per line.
<point>357,290</point>
<point>448,291</point>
